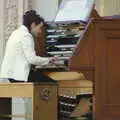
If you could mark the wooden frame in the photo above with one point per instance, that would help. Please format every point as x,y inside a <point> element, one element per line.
<point>44,98</point>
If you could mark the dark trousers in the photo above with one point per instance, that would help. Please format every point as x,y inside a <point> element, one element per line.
<point>14,81</point>
<point>38,76</point>
<point>35,76</point>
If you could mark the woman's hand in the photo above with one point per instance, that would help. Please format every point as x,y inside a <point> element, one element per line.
<point>53,59</point>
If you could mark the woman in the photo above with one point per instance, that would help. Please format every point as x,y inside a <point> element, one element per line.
<point>20,53</point>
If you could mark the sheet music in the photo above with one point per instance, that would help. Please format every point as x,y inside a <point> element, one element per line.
<point>74,10</point>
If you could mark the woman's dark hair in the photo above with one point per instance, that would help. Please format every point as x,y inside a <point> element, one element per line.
<point>32,17</point>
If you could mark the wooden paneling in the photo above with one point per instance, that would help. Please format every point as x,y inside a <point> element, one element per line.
<point>107,76</point>
<point>16,90</point>
<point>45,109</point>
<point>84,49</point>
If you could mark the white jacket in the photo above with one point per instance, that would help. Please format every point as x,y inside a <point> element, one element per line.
<point>19,55</point>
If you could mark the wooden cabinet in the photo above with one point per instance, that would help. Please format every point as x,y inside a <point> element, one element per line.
<point>98,56</point>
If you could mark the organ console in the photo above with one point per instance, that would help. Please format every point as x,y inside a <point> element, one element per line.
<point>91,48</point>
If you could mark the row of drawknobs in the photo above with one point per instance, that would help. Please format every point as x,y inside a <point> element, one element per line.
<point>61,38</point>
